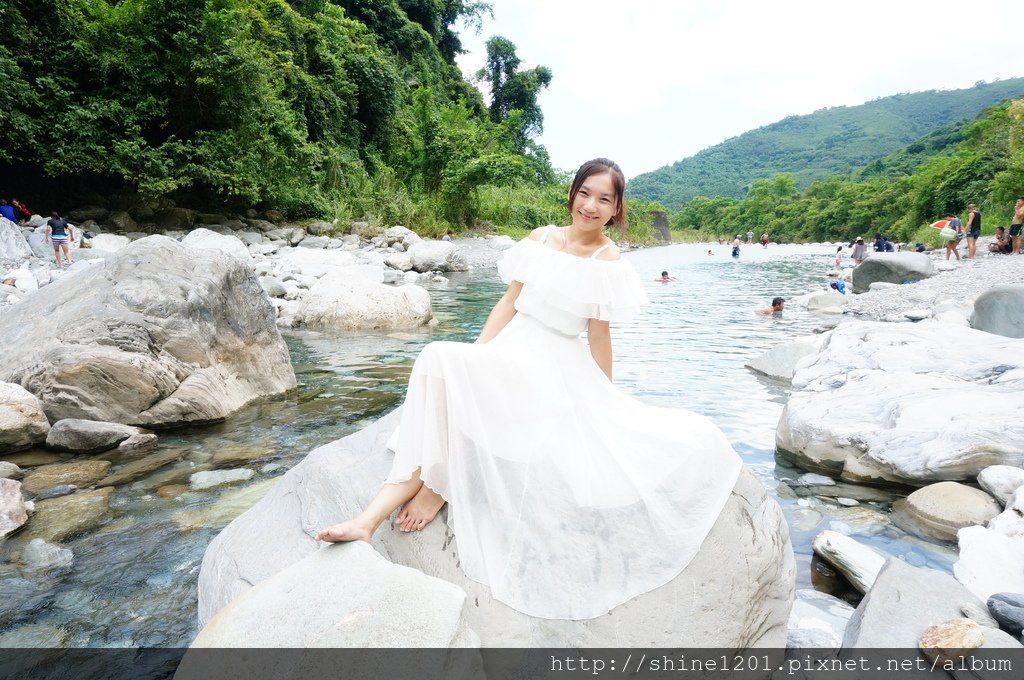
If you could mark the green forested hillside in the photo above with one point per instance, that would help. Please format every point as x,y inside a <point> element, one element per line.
<point>981,162</point>
<point>337,108</point>
<point>828,142</point>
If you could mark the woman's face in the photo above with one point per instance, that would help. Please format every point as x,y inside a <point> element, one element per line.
<point>595,203</point>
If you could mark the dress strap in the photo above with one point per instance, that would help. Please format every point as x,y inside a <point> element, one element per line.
<point>547,231</point>
<point>598,251</point>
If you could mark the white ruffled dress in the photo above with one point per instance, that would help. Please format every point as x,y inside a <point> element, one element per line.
<point>566,496</point>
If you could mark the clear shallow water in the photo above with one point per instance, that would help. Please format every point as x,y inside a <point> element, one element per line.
<point>134,579</point>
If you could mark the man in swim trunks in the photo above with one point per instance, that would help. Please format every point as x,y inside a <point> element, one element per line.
<point>60,233</point>
<point>1018,221</point>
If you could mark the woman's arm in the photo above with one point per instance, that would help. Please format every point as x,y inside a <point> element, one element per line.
<point>600,337</point>
<point>502,313</point>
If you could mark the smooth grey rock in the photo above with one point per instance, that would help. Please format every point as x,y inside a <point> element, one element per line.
<point>1000,310</point>
<point>1001,481</point>
<point>344,299</point>
<point>161,334</point>
<point>736,592</point>
<point>211,478</point>
<point>22,420</point>
<point>874,405</point>
<point>856,561</point>
<point>989,562</point>
<point>398,234</point>
<point>10,471</point>
<point>320,228</point>
<point>344,595</point>
<point>204,239</point>
<point>903,602</point>
<point>442,256</point>
<point>87,436</point>
<point>826,300</point>
<point>272,286</point>
<point>56,491</point>
<point>1008,610</point>
<point>818,620</point>
<point>314,242</point>
<point>940,510</point>
<point>892,268</point>
<point>110,243</point>
<point>400,261</point>
<point>13,511</point>
<point>40,555</point>
<point>14,249</point>
<point>780,361</point>
<point>136,445</point>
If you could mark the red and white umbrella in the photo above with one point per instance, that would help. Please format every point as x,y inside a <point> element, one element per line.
<point>941,224</point>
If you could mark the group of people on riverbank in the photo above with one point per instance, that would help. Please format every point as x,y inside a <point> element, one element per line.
<point>1004,242</point>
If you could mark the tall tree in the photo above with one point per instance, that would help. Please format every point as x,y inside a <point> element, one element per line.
<point>513,89</point>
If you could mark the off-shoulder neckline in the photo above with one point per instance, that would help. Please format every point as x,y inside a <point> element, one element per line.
<point>588,258</point>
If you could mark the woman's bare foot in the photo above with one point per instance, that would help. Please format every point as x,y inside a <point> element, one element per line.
<point>352,530</point>
<point>418,512</point>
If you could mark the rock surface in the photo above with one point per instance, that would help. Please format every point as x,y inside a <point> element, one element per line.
<point>780,361</point>
<point>1001,481</point>
<point>989,562</point>
<point>56,519</point>
<point>1010,522</point>
<point>87,436</point>
<point>344,299</point>
<point>874,405</point>
<point>892,268</point>
<point>343,596</point>
<point>40,555</point>
<point>906,600</point>
<point>22,420</point>
<point>951,640</point>
<point>1008,610</point>
<point>14,249</point>
<point>155,335</point>
<point>1000,310</point>
<point>940,510</point>
<point>736,592</point>
<point>427,256</point>
<point>13,512</point>
<point>80,474</point>
<point>857,562</point>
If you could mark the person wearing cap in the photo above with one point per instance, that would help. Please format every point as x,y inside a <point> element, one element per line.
<point>860,249</point>
<point>973,229</point>
<point>778,304</point>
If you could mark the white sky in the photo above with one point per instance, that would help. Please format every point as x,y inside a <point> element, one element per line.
<point>649,82</point>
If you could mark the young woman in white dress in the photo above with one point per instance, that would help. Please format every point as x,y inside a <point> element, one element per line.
<point>566,496</point>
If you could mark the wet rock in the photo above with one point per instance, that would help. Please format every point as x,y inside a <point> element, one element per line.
<point>818,620</point>
<point>235,454</point>
<point>229,505</point>
<point>1001,481</point>
<point>87,436</point>
<point>344,596</point>
<point>140,468</point>
<point>812,479</point>
<point>211,478</point>
<point>34,458</point>
<point>22,420</point>
<point>40,555</point>
<point>10,471</point>
<point>174,475</point>
<point>33,636</point>
<point>162,334</point>
<point>171,491</point>
<point>1000,310</point>
<point>892,268</point>
<point>1008,611</point>
<point>345,300</point>
<point>81,474</point>
<point>951,640</point>
<point>940,510</point>
<point>21,598</point>
<point>57,519</point>
<point>989,562</point>
<point>137,445</point>
<point>857,562</point>
<point>56,491</point>
<point>13,512</point>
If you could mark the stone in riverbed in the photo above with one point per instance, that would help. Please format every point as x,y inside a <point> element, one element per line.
<point>39,555</point>
<point>780,361</point>
<point>344,299</point>
<point>139,468</point>
<point>951,640</point>
<point>228,505</point>
<point>1008,610</point>
<point>57,519</point>
<point>1000,310</point>
<point>171,491</point>
<point>1001,481</point>
<point>235,454</point>
<point>87,436</point>
<point>10,471</point>
<point>892,268</point>
<point>989,562</point>
<point>158,334</point>
<point>818,620</point>
<point>857,562</point>
<point>427,256</point>
<point>81,474</point>
<point>22,420</point>
<point>136,445</point>
<point>211,478</point>
<point>13,511</point>
<point>940,510</point>
<point>56,491</point>
<point>35,458</point>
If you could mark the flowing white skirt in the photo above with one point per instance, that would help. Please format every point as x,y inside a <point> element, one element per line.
<point>566,496</point>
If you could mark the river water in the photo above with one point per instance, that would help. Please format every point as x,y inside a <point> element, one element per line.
<point>133,582</point>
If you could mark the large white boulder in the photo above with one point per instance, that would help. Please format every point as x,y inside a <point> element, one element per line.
<point>156,334</point>
<point>313,262</point>
<point>442,256</point>
<point>990,562</point>
<point>780,361</point>
<point>22,420</point>
<point>736,593</point>
<point>14,249</point>
<point>204,239</point>
<point>892,268</point>
<point>346,299</point>
<point>885,402</point>
<point>1000,310</point>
